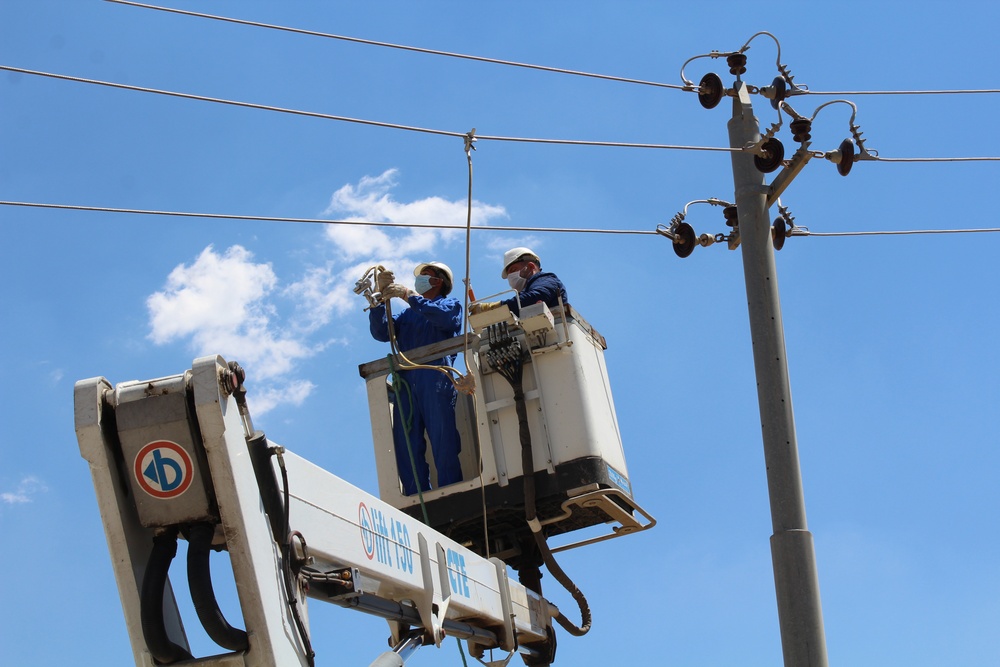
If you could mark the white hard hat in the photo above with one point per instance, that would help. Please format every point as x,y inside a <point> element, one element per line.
<point>437,266</point>
<point>514,254</point>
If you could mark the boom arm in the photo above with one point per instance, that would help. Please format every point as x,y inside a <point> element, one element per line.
<point>179,455</point>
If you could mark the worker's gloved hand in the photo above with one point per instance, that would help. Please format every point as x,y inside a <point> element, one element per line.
<point>394,290</point>
<point>385,279</point>
<point>483,306</point>
<point>465,383</point>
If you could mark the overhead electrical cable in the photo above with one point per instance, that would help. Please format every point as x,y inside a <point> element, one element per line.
<point>315,114</point>
<point>892,92</point>
<point>447,133</point>
<point>801,232</point>
<point>417,49</point>
<point>320,221</point>
<point>937,159</point>
<point>511,63</point>
<point>798,231</point>
<point>217,100</point>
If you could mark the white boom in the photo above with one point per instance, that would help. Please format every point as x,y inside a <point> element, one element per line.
<point>178,456</point>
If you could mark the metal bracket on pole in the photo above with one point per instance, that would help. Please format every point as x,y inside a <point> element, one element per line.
<point>784,179</point>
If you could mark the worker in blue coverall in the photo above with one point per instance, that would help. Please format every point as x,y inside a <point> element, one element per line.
<point>431,317</point>
<point>523,270</point>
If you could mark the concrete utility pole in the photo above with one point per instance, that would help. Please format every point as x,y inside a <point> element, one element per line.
<point>796,583</point>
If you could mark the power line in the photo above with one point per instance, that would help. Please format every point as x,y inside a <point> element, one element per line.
<point>803,232</point>
<point>396,126</point>
<point>511,63</point>
<point>798,231</point>
<point>889,92</point>
<point>412,128</point>
<point>217,100</point>
<point>937,159</point>
<point>402,47</point>
<point>319,221</point>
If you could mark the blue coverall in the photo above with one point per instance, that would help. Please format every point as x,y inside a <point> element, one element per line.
<point>424,322</point>
<point>543,286</point>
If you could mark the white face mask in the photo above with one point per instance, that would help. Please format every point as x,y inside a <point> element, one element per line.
<point>516,281</point>
<point>422,284</point>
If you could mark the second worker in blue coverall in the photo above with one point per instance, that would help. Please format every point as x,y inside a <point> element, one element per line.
<point>431,317</point>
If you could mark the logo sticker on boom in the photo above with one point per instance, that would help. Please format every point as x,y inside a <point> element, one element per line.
<point>163,469</point>
<point>367,535</point>
<point>385,539</point>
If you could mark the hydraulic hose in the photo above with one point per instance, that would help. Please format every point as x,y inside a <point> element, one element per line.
<point>202,593</point>
<point>527,456</point>
<point>286,560</point>
<point>506,356</point>
<point>154,632</point>
<point>530,514</point>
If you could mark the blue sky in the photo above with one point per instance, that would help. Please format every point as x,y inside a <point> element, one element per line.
<point>891,347</point>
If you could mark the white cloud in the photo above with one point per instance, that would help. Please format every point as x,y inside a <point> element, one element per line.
<point>500,245</point>
<point>364,246</point>
<point>222,303</point>
<point>371,200</point>
<point>228,303</point>
<point>273,395</point>
<point>210,295</point>
<point>26,490</point>
<point>321,293</point>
